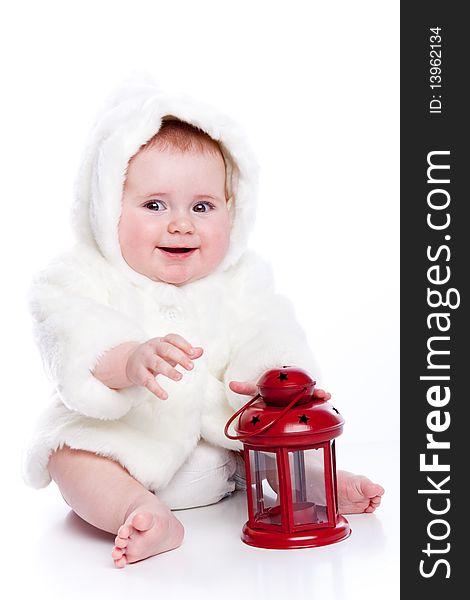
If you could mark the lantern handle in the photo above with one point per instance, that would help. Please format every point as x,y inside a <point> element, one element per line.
<point>265,427</point>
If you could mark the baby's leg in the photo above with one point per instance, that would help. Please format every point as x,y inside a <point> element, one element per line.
<point>103,493</point>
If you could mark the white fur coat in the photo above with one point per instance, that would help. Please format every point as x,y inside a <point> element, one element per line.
<point>89,300</point>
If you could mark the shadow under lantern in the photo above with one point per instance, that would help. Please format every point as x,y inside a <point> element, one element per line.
<point>289,451</point>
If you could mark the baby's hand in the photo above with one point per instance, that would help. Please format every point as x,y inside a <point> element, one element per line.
<point>158,356</point>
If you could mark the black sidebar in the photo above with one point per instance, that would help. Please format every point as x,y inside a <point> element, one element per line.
<point>435,269</point>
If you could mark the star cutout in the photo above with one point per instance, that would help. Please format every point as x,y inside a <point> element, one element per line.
<point>255,420</point>
<point>282,376</point>
<point>303,419</point>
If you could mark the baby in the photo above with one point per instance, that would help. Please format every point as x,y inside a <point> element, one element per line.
<point>159,285</point>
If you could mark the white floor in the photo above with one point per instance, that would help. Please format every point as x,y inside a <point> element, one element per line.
<point>48,552</point>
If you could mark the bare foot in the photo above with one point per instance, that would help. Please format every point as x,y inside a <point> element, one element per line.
<point>357,494</point>
<point>146,533</point>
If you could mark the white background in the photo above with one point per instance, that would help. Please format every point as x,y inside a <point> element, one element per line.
<point>315,85</point>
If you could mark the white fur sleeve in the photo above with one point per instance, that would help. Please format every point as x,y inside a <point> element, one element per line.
<point>73,328</point>
<point>266,334</point>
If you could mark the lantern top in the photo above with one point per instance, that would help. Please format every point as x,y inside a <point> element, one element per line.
<point>279,386</point>
<point>309,421</point>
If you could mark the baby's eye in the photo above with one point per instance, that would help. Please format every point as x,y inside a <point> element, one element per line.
<point>156,205</point>
<point>202,207</point>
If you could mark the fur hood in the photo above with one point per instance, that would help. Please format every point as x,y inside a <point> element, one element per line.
<point>134,115</point>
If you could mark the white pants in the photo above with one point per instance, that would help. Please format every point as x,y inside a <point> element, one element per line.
<point>209,474</point>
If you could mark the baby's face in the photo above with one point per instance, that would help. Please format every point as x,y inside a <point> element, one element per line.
<point>175,223</point>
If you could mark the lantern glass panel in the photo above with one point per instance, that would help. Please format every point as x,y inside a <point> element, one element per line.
<point>264,487</point>
<point>335,481</point>
<point>307,474</point>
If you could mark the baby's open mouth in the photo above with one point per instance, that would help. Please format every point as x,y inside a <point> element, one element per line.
<point>177,250</point>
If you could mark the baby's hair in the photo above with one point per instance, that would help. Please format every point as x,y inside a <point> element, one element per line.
<point>180,135</point>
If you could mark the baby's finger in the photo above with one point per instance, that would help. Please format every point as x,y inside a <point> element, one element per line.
<point>153,386</point>
<point>243,387</point>
<point>169,352</point>
<point>162,367</point>
<point>150,355</point>
<point>179,341</point>
<point>145,378</point>
<point>321,394</point>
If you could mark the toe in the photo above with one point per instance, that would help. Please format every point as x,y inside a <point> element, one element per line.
<point>370,489</point>
<point>117,553</point>
<point>373,504</point>
<point>143,521</point>
<point>120,542</point>
<point>379,490</point>
<point>124,531</point>
<point>122,562</point>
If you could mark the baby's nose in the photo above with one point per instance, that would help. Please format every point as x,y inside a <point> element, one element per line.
<point>181,225</point>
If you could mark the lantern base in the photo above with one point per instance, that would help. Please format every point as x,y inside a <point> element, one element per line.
<point>280,540</point>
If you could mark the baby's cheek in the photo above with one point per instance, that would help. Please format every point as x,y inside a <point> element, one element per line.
<point>135,235</point>
<point>219,246</point>
<point>128,240</point>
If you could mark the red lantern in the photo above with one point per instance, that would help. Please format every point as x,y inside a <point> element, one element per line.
<point>289,451</point>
